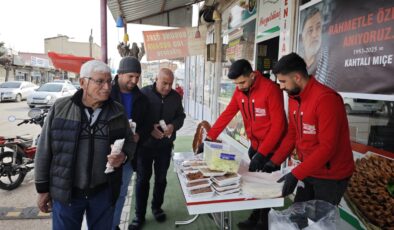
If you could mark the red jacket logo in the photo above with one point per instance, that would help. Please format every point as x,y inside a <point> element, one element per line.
<point>260,112</point>
<point>308,129</point>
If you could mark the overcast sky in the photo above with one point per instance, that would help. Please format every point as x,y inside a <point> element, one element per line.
<point>25,23</point>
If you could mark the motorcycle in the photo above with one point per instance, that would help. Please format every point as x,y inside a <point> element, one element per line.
<point>17,153</point>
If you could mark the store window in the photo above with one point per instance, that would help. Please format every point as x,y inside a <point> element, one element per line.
<point>371,122</point>
<point>239,44</point>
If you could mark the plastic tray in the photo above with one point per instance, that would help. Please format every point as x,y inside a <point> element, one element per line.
<point>225,188</point>
<point>207,184</point>
<point>210,173</point>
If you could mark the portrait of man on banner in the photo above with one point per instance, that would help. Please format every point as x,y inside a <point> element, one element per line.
<point>312,42</point>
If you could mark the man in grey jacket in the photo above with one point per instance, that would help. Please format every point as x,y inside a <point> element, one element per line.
<point>74,148</point>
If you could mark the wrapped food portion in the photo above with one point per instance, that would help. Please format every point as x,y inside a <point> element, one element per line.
<point>368,190</point>
<point>209,172</point>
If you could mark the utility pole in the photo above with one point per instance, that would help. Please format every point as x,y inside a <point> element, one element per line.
<point>91,43</point>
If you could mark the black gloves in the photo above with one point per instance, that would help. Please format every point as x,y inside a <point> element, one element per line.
<point>269,167</point>
<point>200,148</point>
<point>290,184</point>
<point>257,162</point>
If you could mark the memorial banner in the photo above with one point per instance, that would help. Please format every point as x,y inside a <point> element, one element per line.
<point>349,45</point>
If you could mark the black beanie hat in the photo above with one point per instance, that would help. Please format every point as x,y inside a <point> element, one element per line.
<point>129,65</point>
<point>238,68</point>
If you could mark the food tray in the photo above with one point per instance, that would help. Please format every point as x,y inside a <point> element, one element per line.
<point>227,179</point>
<point>224,188</point>
<point>197,185</point>
<point>194,163</point>
<point>209,173</point>
<point>231,191</point>
<point>206,192</point>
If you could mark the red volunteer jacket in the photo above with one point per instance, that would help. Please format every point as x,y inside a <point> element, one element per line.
<point>262,113</point>
<point>319,130</point>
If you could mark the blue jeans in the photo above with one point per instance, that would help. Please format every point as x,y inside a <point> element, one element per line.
<point>98,208</point>
<point>126,177</point>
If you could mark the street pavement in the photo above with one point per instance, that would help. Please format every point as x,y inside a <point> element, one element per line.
<point>20,202</point>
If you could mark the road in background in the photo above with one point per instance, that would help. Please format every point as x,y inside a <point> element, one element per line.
<point>25,195</point>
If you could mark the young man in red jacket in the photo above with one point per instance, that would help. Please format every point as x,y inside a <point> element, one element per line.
<point>261,104</point>
<point>318,131</point>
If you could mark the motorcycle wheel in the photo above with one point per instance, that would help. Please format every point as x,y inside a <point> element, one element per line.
<point>10,177</point>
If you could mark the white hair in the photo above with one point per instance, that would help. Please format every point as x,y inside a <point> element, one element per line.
<point>94,66</point>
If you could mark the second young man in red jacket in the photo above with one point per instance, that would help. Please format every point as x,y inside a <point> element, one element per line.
<point>261,104</point>
<point>318,131</point>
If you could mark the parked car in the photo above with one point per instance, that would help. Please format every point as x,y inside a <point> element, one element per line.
<point>48,93</point>
<point>16,90</point>
<point>358,105</point>
<point>76,84</point>
<point>62,81</point>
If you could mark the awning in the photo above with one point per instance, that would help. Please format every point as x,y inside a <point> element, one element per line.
<point>173,13</point>
<point>68,62</point>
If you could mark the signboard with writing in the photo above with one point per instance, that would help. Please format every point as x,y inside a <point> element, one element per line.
<point>268,19</point>
<point>349,45</point>
<point>286,27</point>
<point>237,14</point>
<point>39,62</point>
<point>174,43</point>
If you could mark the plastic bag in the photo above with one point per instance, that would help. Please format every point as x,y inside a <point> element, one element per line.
<point>309,215</point>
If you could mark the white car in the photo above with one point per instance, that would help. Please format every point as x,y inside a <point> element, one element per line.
<point>16,90</point>
<point>357,105</point>
<point>48,93</point>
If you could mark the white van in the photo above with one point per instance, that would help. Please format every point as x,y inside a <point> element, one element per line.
<point>358,105</point>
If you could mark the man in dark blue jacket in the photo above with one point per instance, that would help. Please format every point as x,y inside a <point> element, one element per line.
<point>125,91</point>
<point>164,104</point>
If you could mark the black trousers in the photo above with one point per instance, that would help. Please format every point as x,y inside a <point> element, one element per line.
<point>159,160</point>
<point>321,189</point>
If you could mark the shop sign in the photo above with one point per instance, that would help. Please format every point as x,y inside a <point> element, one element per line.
<point>286,27</point>
<point>354,49</point>
<point>39,62</point>
<point>174,43</point>
<point>268,19</point>
<point>237,14</point>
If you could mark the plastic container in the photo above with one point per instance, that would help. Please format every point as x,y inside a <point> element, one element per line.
<point>197,185</point>
<point>220,156</point>
<point>210,173</point>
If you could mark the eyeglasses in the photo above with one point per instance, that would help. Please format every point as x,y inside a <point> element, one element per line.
<point>100,82</point>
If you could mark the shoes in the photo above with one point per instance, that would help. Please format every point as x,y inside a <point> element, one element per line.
<point>251,222</point>
<point>136,224</point>
<point>159,215</point>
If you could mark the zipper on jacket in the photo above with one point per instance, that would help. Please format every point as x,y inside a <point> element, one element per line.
<point>75,160</point>
<point>243,107</point>
<point>90,156</point>
<point>295,120</point>
<point>161,108</point>
<point>301,125</point>
<point>251,121</point>
<point>253,111</point>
